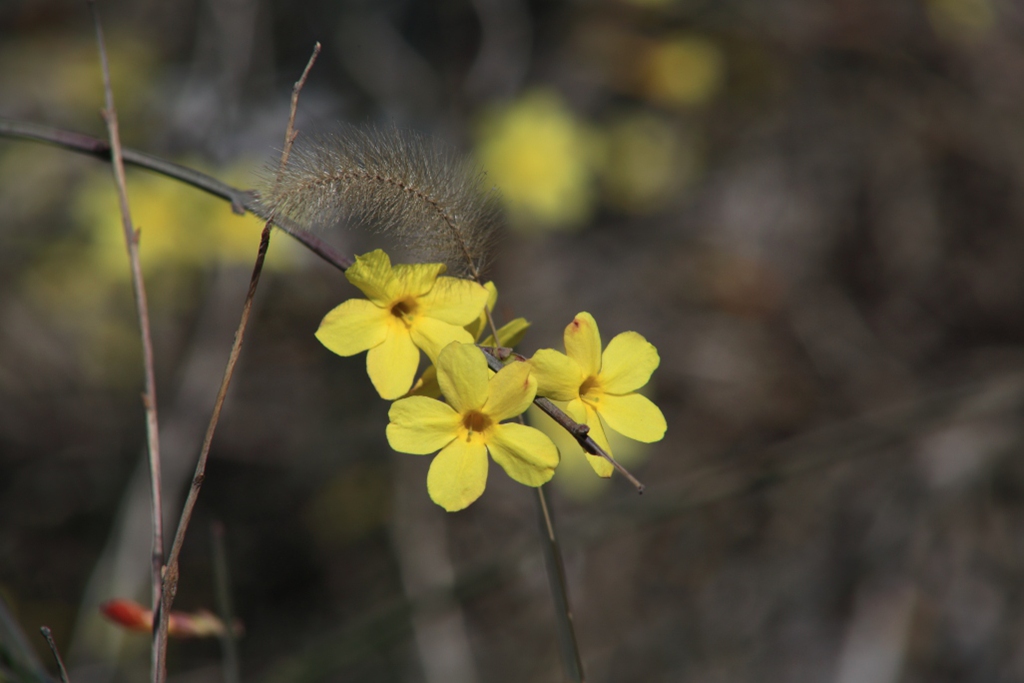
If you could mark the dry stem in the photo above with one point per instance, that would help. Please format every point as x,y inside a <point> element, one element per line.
<point>131,237</point>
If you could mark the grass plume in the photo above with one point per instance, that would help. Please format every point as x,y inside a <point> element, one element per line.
<point>394,182</point>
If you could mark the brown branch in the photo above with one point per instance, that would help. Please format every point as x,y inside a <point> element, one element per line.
<point>131,237</point>
<point>171,579</point>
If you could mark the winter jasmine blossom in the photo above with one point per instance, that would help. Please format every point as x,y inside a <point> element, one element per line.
<point>600,389</point>
<point>408,308</point>
<point>469,426</point>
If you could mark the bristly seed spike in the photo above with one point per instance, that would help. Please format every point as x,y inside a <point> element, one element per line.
<point>393,182</point>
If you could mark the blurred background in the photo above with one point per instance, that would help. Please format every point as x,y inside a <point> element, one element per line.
<point>812,209</point>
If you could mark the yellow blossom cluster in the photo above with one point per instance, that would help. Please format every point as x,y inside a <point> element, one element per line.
<point>459,407</point>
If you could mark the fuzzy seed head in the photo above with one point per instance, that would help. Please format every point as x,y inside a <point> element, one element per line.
<point>393,182</point>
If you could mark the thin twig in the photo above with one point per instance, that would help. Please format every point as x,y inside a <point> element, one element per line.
<point>45,630</point>
<point>290,132</point>
<point>131,237</point>
<point>171,584</point>
<point>172,574</point>
<point>222,593</point>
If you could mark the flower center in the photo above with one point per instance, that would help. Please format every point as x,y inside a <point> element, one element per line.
<point>404,309</point>
<point>475,421</point>
<point>591,386</point>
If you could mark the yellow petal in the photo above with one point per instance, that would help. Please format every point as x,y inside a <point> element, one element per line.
<point>601,465</point>
<point>593,420</point>
<point>353,327</point>
<point>421,425</point>
<point>575,475</point>
<point>492,294</point>
<point>433,335</point>
<point>510,392</point>
<point>462,373</point>
<point>558,376</point>
<point>578,411</point>
<point>627,363</point>
<point>635,416</point>
<point>372,274</point>
<point>392,364</point>
<point>416,279</point>
<point>454,300</point>
<point>584,414</point>
<point>427,384</point>
<point>458,475</point>
<point>477,327</point>
<point>525,453</point>
<point>583,343</point>
<point>509,334</point>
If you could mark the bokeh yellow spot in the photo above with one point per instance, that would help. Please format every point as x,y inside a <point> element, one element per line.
<point>62,72</point>
<point>541,157</point>
<point>179,227</point>
<point>683,72</point>
<point>963,21</point>
<point>645,162</point>
<point>82,278</point>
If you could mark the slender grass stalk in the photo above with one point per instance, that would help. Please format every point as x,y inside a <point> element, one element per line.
<point>131,237</point>
<point>559,589</point>
<point>222,593</point>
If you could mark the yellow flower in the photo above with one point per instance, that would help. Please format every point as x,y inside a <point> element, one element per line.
<point>600,389</point>
<point>469,426</point>
<point>407,306</point>
<point>509,334</point>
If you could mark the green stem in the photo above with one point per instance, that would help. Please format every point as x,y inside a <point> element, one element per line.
<point>559,591</point>
<point>222,591</point>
